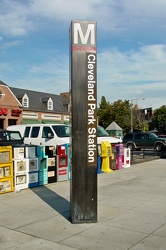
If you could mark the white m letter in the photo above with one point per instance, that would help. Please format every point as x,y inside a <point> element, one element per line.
<point>84,39</point>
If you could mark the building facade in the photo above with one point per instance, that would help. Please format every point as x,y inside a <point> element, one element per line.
<point>22,106</point>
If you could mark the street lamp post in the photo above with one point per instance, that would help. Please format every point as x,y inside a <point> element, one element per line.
<point>131,122</point>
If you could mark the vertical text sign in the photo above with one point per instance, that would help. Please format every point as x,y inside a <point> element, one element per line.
<point>91,110</point>
<point>83,122</point>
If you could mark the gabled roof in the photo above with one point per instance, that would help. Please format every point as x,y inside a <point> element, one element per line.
<point>36,100</point>
<point>2,83</point>
<point>114,126</point>
<point>45,99</point>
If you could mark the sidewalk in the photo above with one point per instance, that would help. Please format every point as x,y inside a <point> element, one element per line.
<point>131,214</point>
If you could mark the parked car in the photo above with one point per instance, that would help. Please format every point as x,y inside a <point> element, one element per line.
<point>147,140</point>
<point>55,134</point>
<point>162,136</point>
<point>43,134</point>
<point>10,138</point>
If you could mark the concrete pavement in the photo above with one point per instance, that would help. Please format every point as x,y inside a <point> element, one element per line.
<point>131,214</point>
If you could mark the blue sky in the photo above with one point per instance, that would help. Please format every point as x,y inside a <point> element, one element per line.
<point>131,46</point>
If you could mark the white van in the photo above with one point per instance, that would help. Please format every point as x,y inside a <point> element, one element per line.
<point>54,134</point>
<point>43,134</point>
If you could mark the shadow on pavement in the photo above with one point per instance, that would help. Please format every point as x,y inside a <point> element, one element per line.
<point>57,202</point>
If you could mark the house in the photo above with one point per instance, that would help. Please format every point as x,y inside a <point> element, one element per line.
<point>22,106</point>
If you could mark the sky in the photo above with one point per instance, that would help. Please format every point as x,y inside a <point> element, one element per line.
<point>131,47</point>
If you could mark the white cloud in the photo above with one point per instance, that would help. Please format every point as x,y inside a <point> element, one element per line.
<point>147,64</point>
<point>64,9</point>
<point>18,17</point>
<point>121,75</point>
<point>57,67</point>
<point>8,45</point>
<point>14,18</point>
<point>133,74</point>
<point>144,9</point>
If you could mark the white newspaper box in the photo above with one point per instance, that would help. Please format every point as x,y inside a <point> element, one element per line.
<point>126,163</point>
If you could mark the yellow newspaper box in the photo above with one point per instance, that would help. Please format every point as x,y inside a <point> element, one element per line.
<point>106,152</point>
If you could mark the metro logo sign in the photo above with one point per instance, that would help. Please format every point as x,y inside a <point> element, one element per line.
<point>89,34</point>
<point>83,36</point>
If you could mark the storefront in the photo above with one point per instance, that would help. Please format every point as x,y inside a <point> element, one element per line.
<point>21,106</point>
<point>10,108</point>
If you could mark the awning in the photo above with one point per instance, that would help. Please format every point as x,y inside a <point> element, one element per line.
<point>30,121</point>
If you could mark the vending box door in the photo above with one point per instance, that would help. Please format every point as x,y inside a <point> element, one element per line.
<point>61,150</point>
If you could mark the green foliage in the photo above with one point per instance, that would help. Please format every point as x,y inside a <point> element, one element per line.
<point>121,112</point>
<point>159,119</point>
<point>118,112</point>
<point>103,112</point>
<point>139,122</point>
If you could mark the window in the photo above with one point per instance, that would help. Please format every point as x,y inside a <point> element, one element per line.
<point>47,132</point>
<point>15,136</point>
<point>139,136</point>
<point>62,131</point>
<point>25,101</point>
<point>3,136</point>
<point>101,132</point>
<point>1,94</point>
<point>26,133</point>
<point>148,137</point>
<point>128,137</point>
<point>50,104</point>
<point>35,132</point>
<point>57,130</point>
<point>10,136</point>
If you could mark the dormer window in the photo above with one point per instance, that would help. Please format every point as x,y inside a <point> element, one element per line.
<point>2,95</point>
<point>25,101</point>
<point>50,104</point>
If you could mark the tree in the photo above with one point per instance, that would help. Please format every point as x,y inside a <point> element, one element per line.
<point>159,119</point>
<point>139,122</point>
<point>103,112</point>
<point>119,112</point>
